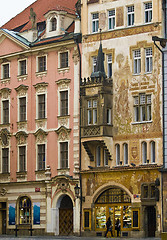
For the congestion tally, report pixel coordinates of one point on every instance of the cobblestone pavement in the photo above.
(70, 238)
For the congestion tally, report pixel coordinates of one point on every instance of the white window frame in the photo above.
(95, 22)
(109, 116)
(2, 112)
(19, 66)
(130, 15)
(18, 158)
(59, 59)
(37, 63)
(59, 101)
(125, 153)
(51, 24)
(8, 159)
(148, 11)
(144, 152)
(117, 153)
(152, 152)
(59, 154)
(148, 60)
(111, 19)
(2, 70)
(37, 105)
(137, 61)
(109, 65)
(37, 163)
(18, 103)
(92, 111)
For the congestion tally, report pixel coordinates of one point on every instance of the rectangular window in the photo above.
(148, 12)
(142, 108)
(94, 63)
(105, 158)
(148, 60)
(87, 219)
(42, 64)
(109, 65)
(135, 219)
(41, 157)
(5, 107)
(64, 103)
(64, 60)
(95, 22)
(137, 61)
(41, 106)
(111, 19)
(130, 16)
(92, 112)
(5, 71)
(64, 155)
(108, 116)
(5, 160)
(22, 158)
(22, 67)
(22, 105)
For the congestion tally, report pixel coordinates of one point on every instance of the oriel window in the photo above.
(92, 112)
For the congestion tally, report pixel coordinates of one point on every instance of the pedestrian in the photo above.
(117, 227)
(109, 227)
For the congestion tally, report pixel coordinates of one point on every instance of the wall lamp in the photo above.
(162, 41)
(77, 192)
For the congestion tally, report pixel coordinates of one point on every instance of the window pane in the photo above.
(117, 154)
(41, 64)
(64, 60)
(98, 156)
(64, 155)
(6, 71)
(5, 111)
(5, 160)
(41, 106)
(22, 158)
(64, 103)
(144, 152)
(22, 109)
(41, 157)
(23, 67)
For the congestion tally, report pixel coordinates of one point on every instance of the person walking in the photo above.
(117, 227)
(109, 227)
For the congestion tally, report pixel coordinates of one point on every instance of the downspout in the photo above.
(77, 39)
(163, 132)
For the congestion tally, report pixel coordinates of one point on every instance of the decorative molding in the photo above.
(5, 92)
(4, 136)
(21, 137)
(40, 136)
(63, 133)
(22, 90)
(3, 191)
(75, 56)
(63, 84)
(41, 87)
(63, 184)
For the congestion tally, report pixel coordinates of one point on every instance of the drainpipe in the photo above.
(154, 38)
(77, 39)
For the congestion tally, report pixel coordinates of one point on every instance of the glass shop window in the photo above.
(24, 210)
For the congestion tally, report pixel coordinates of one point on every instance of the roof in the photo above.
(16, 36)
(40, 7)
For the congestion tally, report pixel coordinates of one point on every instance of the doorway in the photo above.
(3, 218)
(151, 221)
(66, 216)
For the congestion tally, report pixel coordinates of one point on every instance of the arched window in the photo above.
(144, 152)
(125, 147)
(24, 210)
(152, 152)
(117, 149)
(53, 24)
(98, 156)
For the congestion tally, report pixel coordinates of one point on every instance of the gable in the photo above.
(7, 46)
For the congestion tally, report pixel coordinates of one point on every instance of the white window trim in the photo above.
(138, 59)
(109, 62)
(18, 104)
(130, 13)
(3, 99)
(19, 71)
(42, 93)
(94, 20)
(150, 57)
(59, 61)
(148, 10)
(59, 101)
(65, 141)
(18, 157)
(37, 65)
(8, 159)
(2, 77)
(111, 17)
(42, 143)
(109, 114)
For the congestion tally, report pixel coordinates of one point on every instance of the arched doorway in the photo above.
(116, 204)
(66, 216)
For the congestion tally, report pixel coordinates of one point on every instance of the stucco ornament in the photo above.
(4, 136)
(63, 133)
(3, 191)
(63, 184)
(5, 93)
(75, 56)
(41, 136)
(21, 137)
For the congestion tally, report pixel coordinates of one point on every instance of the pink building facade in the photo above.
(39, 129)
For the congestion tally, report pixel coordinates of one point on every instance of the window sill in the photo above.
(5, 80)
(5, 125)
(144, 122)
(41, 74)
(22, 77)
(63, 116)
(65, 69)
(63, 171)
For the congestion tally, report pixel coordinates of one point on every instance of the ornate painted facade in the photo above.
(121, 117)
(39, 120)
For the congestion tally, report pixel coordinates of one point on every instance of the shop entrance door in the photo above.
(66, 217)
(3, 222)
(2, 217)
(151, 221)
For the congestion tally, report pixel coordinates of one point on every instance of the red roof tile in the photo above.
(40, 7)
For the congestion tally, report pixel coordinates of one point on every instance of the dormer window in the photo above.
(53, 24)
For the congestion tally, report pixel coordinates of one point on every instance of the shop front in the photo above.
(116, 204)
